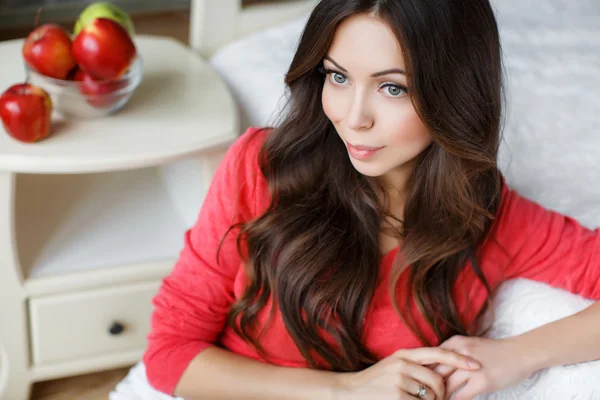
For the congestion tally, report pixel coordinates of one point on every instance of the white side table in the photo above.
(92, 218)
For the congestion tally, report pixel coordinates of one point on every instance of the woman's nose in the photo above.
(359, 117)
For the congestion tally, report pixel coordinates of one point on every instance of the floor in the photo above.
(86, 387)
(98, 386)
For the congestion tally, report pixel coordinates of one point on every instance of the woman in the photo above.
(360, 239)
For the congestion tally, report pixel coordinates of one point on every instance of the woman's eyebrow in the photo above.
(375, 75)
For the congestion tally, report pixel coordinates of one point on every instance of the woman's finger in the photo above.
(442, 369)
(412, 396)
(432, 355)
(412, 387)
(457, 380)
(469, 391)
(433, 382)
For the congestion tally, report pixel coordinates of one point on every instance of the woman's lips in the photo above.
(362, 152)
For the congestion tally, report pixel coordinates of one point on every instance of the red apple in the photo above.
(97, 92)
(104, 49)
(25, 110)
(47, 50)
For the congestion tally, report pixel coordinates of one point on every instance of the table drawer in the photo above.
(94, 322)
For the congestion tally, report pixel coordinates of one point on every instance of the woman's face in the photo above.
(365, 98)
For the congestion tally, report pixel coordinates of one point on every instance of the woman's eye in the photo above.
(338, 78)
(335, 76)
(395, 90)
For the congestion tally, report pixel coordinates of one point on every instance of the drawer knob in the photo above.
(116, 328)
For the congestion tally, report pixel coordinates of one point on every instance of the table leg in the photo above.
(15, 376)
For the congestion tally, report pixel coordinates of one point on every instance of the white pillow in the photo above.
(520, 306)
(254, 68)
(551, 152)
(548, 10)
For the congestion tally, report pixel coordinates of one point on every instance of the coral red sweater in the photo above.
(191, 306)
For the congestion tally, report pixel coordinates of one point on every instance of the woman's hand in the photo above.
(401, 375)
(503, 363)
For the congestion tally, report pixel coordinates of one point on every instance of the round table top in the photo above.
(181, 107)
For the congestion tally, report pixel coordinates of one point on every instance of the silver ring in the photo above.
(422, 392)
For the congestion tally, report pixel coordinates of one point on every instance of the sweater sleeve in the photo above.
(549, 247)
(191, 306)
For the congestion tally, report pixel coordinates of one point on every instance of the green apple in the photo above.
(103, 10)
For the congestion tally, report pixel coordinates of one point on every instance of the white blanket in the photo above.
(551, 153)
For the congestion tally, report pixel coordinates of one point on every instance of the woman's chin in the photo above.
(368, 169)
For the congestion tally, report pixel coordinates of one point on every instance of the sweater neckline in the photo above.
(390, 253)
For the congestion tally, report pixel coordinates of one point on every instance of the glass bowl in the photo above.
(73, 99)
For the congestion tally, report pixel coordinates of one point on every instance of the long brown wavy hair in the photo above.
(315, 251)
